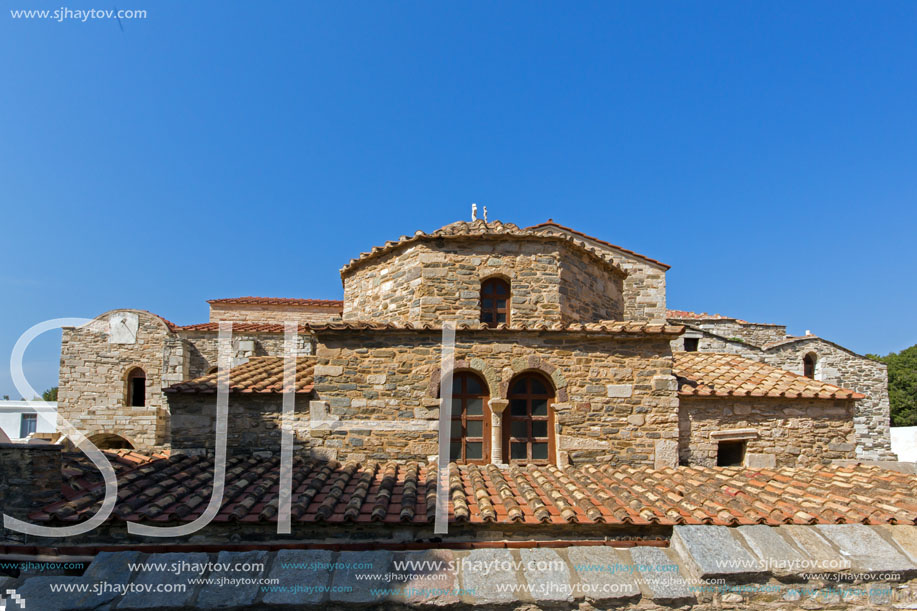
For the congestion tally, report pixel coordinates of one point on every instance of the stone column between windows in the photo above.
(496, 429)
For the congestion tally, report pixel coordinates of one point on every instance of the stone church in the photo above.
(565, 353)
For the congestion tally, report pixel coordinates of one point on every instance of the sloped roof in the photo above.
(261, 374)
(481, 230)
(599, 328)
(243, 327)
(707, 374)
(551, 223)
(178, 488)
(686, 315)
(281, 301)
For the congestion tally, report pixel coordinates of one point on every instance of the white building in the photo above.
(19, 419)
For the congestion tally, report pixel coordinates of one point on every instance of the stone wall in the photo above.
(201, 348)
(789, 432)
(756, 334)
(841, 367)
(273, 313)
(644, 287)
(430, 282)
(615, 398)
(30, 478)
(95, 361)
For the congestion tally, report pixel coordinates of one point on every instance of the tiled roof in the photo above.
(551, 223)
(284, 301)
(476, 229)
(261, 374)
(686, 315)
(178, 489)
(242, 327)
(79, 474)
(728, 375)
(606, 327)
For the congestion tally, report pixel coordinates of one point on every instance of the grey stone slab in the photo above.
(232, 590)
(821, 556)
(425, 578)
(148, 587)
(547, 575)
(775, 552)
(603, 574)
(357, 574)
(36, 593)
(483, 572)
(661, 576)
(904, 536)
(714, 551)
(304, 577)
(107, 571)
(865, 548)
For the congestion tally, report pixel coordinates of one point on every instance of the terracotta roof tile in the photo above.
(284, 301)
(600, 328)
(242, 327)
(709, 374)
(551, 223)
(261, 374)
(178, 488)
(686, 315)
(481, 230)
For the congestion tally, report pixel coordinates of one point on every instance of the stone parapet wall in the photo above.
(429, 282)
(755, 334)
(781, 432)
(201, 348)
(273, 313)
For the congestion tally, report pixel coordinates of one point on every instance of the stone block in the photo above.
(331, 371)
(620, 390)
(775, 552)
(307, 570)
(597, 571)
(154, 578)
(714, 551)
(221, 596)
(760, 461)
(111, 568)
(348, 588)
(904, 536)
(36, 593)
(820, 554)
(868, 551)
(546, 574)
(665, 454)
(483, 571)
(375, 378)
(661, 576)
(431, 582)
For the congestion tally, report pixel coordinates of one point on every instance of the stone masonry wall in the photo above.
(201, 348)
(615, 398)
(93, 384)
(272, 313)
(802, 432)
(644, 287)
(756, 334)
(430, 283)
(848, 370)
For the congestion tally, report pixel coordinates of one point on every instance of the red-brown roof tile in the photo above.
(284, 301)
(178, 488)
(706, 374)
(242, 327)
(261, 374)
(551, 223)
(601, 328)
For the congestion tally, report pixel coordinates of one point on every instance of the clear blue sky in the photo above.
(767, 151)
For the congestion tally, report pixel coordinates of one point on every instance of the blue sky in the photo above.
(767, 151)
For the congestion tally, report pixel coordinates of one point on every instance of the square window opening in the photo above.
(691, 344)
(730, 453)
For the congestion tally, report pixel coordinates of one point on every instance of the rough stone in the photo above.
(345, 586)
(36, 593)
(482, 574)
(598, 570)
(820, 555)
(424, 583)
(296, 569)
(666, 587)
(868, 551)
(547, 575)
(775, 552)
(713, 551)
(218, 596)
(143, 600)
(904, 536)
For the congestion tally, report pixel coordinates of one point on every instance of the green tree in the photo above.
(50, 394)
(902, 385)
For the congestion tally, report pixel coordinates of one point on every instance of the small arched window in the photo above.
(495, 299)
(808, 365)
(136, 388)
(211, 370)
(528, 424)
(470, 438)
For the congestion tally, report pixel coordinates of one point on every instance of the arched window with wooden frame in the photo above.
(808, 365)
(470, 437)
(495, 302)
(528, 421)
(135, 395)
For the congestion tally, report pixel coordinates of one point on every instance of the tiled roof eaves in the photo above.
(551, 223)
(683, 315)
(241, 327)
(609, 328)
(280, 301)
(495, 230)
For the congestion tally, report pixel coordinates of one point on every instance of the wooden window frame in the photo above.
(528, 396)
(461, 395)
(490, 294)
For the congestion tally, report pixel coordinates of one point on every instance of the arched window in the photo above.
(110, 441)
(808, 365)
(470, 438)
(136, 388)
(528, 422)
(211, 370)
(495, 299)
